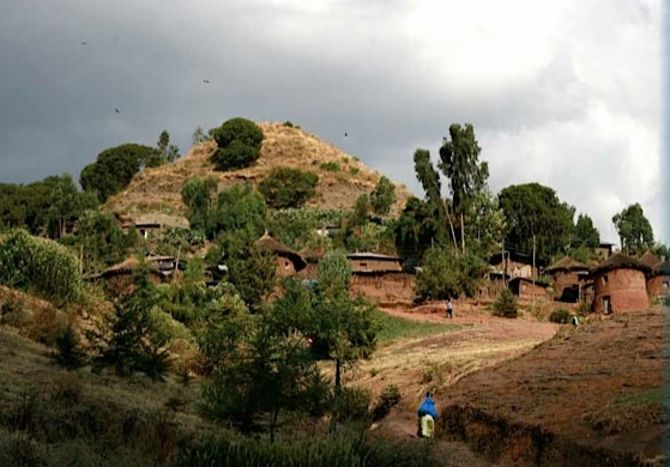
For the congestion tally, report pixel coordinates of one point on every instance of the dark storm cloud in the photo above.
(392, 74)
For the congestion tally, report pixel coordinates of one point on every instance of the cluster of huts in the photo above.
(617, 283)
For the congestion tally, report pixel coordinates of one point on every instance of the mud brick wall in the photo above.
(627, 289)
(387, 287)
(374, 265)
(285, 267)
(563, 280)
(658, 286)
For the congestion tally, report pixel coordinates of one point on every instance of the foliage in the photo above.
(115, 167)
(389, 398)
(432, 186)
(236, 155)
(634, 229)
(240, 210)
(371, 237)
(41, 266)
(392, 328)
(485, 229)
(254, 275)
(131, 342)
(383, 196)
(359, 216)
(351, 403)
(285, 187)
(447, 274)
(661, 250)
(199, 136)
(69, 352)
(416, 230)
(239, 141)
(288, 124)
(346, 449)
(560, 316)
(102, 242)
(47, 207)
(534, 211)
(168, 152)
(330, 166)
(505, 306)
(585, 233)
(459, 162)
(198, 196)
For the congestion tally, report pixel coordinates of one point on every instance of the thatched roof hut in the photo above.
(566, 264)
(620, 284)
(620, 261)
(267, 243)
(650, 259)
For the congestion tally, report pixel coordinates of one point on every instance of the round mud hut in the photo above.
(658, 284)
(568, 276)
(619, 284)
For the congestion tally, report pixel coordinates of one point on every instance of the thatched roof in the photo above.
(649, 259)
(312, 255)
(567, 264)
(375, 256)
(267, 243)
(620, 261)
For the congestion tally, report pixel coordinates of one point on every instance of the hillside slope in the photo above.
(155, 193)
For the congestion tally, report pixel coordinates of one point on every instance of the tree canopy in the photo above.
(383, 196)
(533, 210)
(634, 229)
(585, 233)
(286, 187)
(239, 141)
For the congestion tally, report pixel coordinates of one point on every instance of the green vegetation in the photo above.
(505, 306)
(585, 233)
(389, 398)
(286, 187)
(634, 230)
(101, 241)
(39, 266)
(168, 152)
(330, 166)
(383, 196)
(560, 316)
(115, 167)
(448, 274)
(239, 142)
(198, 196)
(393, 328)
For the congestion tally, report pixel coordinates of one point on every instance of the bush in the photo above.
(288, 124)
(561, 316)
(388, 399)
(351, 404)
(238, 129)
(330, 166)
(505, 306)
(285, 187)
(41, 266)
(69, 353)
(383, 196)
(447, 274)
(236, 155)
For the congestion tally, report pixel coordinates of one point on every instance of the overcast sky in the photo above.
(566, 93)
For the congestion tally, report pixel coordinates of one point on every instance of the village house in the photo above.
(513, 264)
(528, 290)
(289, 262)
(619, 285)
(650, 259)
(604, 250)
(658, 283)
(569, 276)
(380, 278)
(120, 275)
(312, 257)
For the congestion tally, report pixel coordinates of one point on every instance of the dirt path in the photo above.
(437, 361)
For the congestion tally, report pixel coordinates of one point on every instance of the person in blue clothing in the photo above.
(427, 413)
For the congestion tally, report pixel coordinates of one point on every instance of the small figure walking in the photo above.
(427, 413)
(450, 308)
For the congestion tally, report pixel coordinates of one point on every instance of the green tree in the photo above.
(432, 186)
(467, 176)
(585, 234)
(416, 230)
(285, 187)
(254, 275)
(198, 196)
(102, 242)
(446, 273)
(115, 167)
(533, 211)
(485, 229)
(131, 343)
(66, 205)
(199, 136)
(506, 306)
(634, 229)
(383, 196)
(240, 210)
(168, 152)
(239, 141)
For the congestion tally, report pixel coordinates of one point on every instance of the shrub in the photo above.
(236, 155)
(351, 404)
(330, 166)
(42, 266)
(69, 353)
(505, 306)
(560, 316)
(354, 170)
(388, 399)
(446, 274)
(288, 124)
(238, 129)
(285, 187)
(383, 196)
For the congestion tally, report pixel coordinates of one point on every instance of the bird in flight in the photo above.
(206, 81)
(346, 135)
(117, 110)
(84, 43)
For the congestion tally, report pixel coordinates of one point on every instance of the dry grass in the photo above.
(156, 192)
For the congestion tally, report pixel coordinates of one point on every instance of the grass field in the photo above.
(395, 328)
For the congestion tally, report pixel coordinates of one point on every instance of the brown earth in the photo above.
(154, 194)
(592, 395)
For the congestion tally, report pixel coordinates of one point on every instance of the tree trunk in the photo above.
(451, 227)
(273, 424)
(338, 375)
(463, 232)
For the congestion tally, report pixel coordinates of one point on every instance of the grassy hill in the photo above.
(155, 192)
